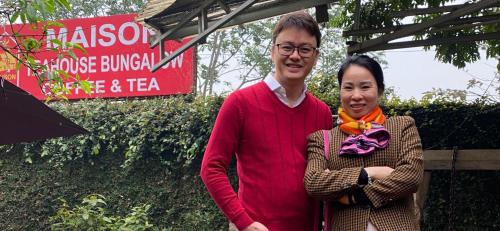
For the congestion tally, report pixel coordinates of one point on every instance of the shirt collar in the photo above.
(274, 85)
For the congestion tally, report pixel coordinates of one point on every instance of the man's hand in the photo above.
(256, 226)
(378, 172)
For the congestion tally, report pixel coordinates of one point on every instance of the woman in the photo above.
(374, 163)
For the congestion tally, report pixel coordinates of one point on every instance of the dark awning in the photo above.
(23, 118)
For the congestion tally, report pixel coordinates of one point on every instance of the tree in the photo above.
(22, 45)
(483, 90)
(377, 14)
(242, 52)
(95, 8)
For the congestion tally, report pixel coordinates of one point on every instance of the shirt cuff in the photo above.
(363, 177)
(361, 198)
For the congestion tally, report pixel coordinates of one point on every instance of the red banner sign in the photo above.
(118, 59)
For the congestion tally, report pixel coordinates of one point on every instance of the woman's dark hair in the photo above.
(300, 20)
(370, 64)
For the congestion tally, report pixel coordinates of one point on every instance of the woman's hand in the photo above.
(378, 172)
(344, 200)
(256, 226)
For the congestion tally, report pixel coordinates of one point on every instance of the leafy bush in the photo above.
(92, 215)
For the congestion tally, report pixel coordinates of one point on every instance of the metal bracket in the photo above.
(203, 35)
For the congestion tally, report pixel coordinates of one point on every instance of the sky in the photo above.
(413, 71)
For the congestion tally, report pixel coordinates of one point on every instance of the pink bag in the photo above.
(324, 204)
(326, 210)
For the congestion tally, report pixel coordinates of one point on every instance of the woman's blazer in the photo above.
(392, 199)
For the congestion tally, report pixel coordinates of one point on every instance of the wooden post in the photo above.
(421, 194)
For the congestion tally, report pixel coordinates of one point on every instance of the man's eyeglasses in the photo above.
(305, 51)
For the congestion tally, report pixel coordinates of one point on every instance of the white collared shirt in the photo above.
(280, 92)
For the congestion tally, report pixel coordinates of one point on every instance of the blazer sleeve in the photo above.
(408, 172)
(326, 185)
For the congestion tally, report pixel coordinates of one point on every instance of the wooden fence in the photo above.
(473, 159)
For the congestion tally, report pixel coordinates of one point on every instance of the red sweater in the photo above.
(269, 139)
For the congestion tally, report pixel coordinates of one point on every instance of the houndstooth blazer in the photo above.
(391, 197)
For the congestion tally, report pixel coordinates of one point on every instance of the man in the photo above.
(266, 126)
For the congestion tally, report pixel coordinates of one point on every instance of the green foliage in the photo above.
(91, 214)
(24, 47)
(475, 201)
(31, 192)
(96, 8)
(445, 125)
(174, 129)
(442, 96)
(325, 88)
(34, 11)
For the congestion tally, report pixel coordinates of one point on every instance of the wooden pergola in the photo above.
(453, 17)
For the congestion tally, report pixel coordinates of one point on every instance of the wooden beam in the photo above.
(458, 27)
(202, 25)
(473, 159)
(159, 38)
(430, 10)
(224, 6)
(436, 41)
(462, 21)
(357, 15)
(367, 45)
(322, 13)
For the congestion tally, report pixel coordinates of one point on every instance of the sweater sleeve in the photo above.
(221, 147)
(408, 172)
(328, 117)
(322, 184)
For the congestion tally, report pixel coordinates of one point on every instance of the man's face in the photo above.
(294, 67)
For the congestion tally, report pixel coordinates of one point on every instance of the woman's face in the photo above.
(358, 91)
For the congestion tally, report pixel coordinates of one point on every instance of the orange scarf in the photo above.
(355, 127)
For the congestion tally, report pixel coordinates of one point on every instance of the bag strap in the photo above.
(326, 148)
(326, 143)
